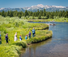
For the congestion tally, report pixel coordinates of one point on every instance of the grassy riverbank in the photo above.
(62, 19)
(44, 35)
(11, 25)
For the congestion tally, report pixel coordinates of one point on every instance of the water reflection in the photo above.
(57, 46)
(31, 50)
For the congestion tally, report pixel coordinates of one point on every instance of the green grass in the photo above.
(38, 38)
(11, 25)
(10, 51)
(62, 19)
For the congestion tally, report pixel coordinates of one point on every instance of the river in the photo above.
(57, 46)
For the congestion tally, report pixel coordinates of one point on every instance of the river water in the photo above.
(57, 46)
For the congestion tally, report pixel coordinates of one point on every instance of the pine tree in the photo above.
(33, 16)
(15, 13)
(3, 13)
(26, 13)
(44, 12)
(39, 16)
(37, 12)
(66, 14)
(19, 14)
(41, 12)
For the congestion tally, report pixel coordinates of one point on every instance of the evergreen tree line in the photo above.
(38, 14)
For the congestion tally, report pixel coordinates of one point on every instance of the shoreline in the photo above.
(15, 48)
(47, 20)
(36, 41)
(22, 27)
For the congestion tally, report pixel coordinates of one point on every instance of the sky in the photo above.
(28, 3)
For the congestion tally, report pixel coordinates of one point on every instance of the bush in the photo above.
(9, 51)
(22, 27)
(39, 17)
(20, 43)
(45, 35)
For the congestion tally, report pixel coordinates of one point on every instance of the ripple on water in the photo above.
(56, 47)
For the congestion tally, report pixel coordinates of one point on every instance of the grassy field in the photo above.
(11, 25)
(49, 20)
(43, 19)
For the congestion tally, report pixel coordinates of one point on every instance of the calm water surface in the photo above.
(57, 46)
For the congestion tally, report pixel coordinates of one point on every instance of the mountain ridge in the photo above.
(36, 7)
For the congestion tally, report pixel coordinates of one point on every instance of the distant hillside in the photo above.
(12, 9)
(36, 7)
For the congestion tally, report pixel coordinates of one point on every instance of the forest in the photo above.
(38, 14)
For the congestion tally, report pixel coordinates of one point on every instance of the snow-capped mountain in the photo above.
(45, 7)
(12, 9)
(36, 7)
(40, 7)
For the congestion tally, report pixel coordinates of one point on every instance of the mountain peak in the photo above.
(36, 7)
(46, 6)
(1, 8)
(40, 5)
(58, 6)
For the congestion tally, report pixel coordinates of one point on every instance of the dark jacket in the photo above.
(29, 33)
(6, 37)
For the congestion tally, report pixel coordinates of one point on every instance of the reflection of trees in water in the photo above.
(31, 52)
(32, 48)
(22, 52)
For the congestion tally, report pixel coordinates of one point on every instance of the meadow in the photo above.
(43, 19)
(11, 25)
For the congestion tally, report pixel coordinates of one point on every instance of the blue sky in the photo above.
(28, 3)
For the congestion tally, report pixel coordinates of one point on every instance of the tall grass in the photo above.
(11, 25)
(62, 19)
(38, 38)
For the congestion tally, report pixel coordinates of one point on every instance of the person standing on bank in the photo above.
(6, 38)
(0, 38)
(20, 38)
(29, 34)
(33, 31)
(26, 37)
(15, 37)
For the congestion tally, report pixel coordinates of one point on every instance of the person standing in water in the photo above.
(15, 37)
(33, 31)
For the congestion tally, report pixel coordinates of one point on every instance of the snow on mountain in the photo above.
(36, 7)
(40, 5)
(58, 6)
(1, 8)
(44, 6)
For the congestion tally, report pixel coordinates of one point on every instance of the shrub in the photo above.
(20, 43)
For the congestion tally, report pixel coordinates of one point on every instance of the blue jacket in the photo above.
(25, 37)
(33, 31)
(0, 35)
(20, 38)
